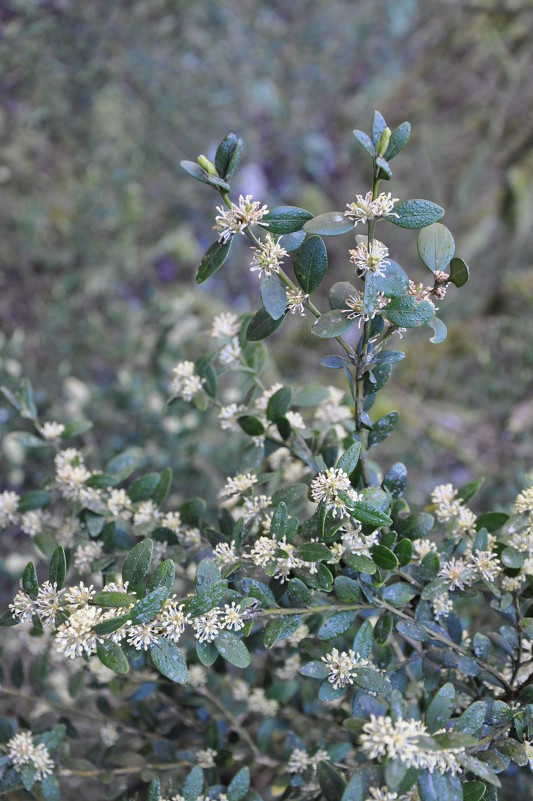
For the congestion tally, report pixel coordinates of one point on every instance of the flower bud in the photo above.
(384, 140)
(208, 166)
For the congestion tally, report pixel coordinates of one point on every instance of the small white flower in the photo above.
(224, 553)
(457, 573)
(206, 627)
(32, 522)
(298, 761)
(254, 507)
(9, 504)
(229, 416)
(75, 636)
(354, 541)
(51, 431)
(268, 257)
(23, 607)
(261, 402)
(370, 259)
(49, 602)
(172, 520)
(197, 676)
(487, 564)
(235, 219)
(524, 501)
(147, 513)
(172, 620)
(119, 503)
(78, 597)
(186, 383)
(295, 301)
(85, 555)
(225, 326)
(290, 668)
(109, 734)
(332, 410)
(442, 605)
(295, 419)
(239, 484)
(142, 636)
(233, 617)
(326, 486)
(260, 704)
(342, 665)
(231, 353)
(206, 758)
(366, 208)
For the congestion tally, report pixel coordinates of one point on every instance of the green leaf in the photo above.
(58, 567)
(415, 213)
(364, 640)
(398, 140)
(34, 499)
(349, 459)
(367, 514)
(232, 649)
(311, 264)
(137, 562)
(473, 791)
(354, 789)
(459, 272)
(207, 574)
(526, 624)
(251, 425)
(332, 223)
(441, 708)
(30, 582)
(154, 790)
(163, 576)
(273, 295)
(395, 282)
(384, 557)
(109, 626)
(279, 404)
(396, 480)
(383, 428)
(336, 625)
(291, 242)
(347, 590)
(372, 680)
(439, 787)
(436, 246)
(75, 428)
(313, 552)
(239, 785)
(262, 326)
(441, 332)
(143, 487)
(378, 126)
(398, 594)
(315, 670)
(123, 466)
(147, 608)
(168, 660)
(407, 312)
(366, 142)
(298, 593)
(478, 768)
(338, 293)
(112, 656)
(194, 169)
(162, 489)
(404, 552)
(201, 604)
(207, 653)
(50, 788)
(228, 155)
(331, 782)
(412, 629)
(194, 784)
(332, 324)
(256, 589)
(110, 599)
(286, 219)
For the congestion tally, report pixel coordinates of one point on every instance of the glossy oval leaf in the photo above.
(262, 325)
(112, 656)
(459, 272)
(406, 312)
(338, 294)
(332, 324)
(232, 649)
(415, 213)
(213, 260)
(441, 332)
(436, 246)
(169, 661)
(137, 562)
(311, 264)
(398, 140)
(332, 223)
(286, 219)
(273, 295)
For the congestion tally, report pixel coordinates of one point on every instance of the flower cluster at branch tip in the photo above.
(22, 751)
(327, 486)
(366, 208)
(370, 258)
(299, 761)
(225, 326)
(186, 383)
(343, 666)
(237, 218)
(381, 738)
(268, 257)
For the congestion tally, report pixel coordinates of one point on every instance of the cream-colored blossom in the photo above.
(225, 326)
(367, 208)
(186, 383)
(51, 431)
(327, 486)
(296, 299)
(370, 258)
(268, 256)
(237, 218)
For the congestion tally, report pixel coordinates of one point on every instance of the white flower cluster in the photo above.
(300, 760)
(370, 258)
(295, 301)
(268, 257)
(51, 431)
(326, 487)
(342, 666)
(355, 304)
(235, 219)
(22, 751)
(225, 326)
(265, 554)
(72, 475)
(367, 208)
(333, 411)
(354, 541)
(9, 508)
(381, 738)
(186, 383)
(450, 507)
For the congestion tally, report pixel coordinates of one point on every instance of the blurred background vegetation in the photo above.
(102, 231)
